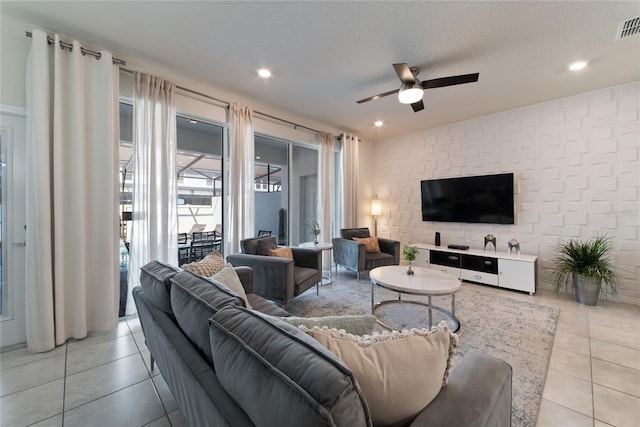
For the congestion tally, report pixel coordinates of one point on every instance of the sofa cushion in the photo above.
(250, 245)
(399, 372)
(350, 233)
(228, 277)
(371, 245)
(194, 300)
(265, 306)
(282, 252)
(154, 279)
(266, 244)
(378, 260)
(207, 266)
(304, 278)
(294, 381)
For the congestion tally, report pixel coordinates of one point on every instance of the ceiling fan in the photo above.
(412, 89)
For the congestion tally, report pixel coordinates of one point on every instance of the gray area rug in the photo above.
(518, 332)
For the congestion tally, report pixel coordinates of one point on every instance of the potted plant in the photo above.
(409, 253)
(314, 227)
(589, 266)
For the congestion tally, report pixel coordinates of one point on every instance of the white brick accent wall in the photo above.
(576, 170)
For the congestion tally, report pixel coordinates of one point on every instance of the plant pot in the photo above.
(410, 270)
(587, 289)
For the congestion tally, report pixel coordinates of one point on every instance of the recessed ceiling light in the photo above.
(378, 123)
(192, 121)
(264, 73)
(257, 157)
(578, 65)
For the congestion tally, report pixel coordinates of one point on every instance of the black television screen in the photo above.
(473, 199)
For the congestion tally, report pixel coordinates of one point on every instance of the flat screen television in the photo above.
(484, 199)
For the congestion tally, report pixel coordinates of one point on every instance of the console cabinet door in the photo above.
(422, 259)
(518, 275)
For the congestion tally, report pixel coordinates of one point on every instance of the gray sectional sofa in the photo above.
(227, 365)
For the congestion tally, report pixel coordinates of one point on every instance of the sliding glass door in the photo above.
(271, 188)
(286, 189)
(199, 169)
(304, 192)
(200, 177)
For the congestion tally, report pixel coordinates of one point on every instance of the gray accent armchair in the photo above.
(275, 278)
(352, 255)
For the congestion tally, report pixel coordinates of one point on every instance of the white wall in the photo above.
(577, 171)
(14, 48)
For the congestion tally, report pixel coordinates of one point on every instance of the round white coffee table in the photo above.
(424, 282)
(326, 280)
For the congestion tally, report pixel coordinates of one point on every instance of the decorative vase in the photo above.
(587, 289)
(409, 270)
(315, 240)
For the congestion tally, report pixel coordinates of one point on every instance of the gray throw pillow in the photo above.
(266, 244)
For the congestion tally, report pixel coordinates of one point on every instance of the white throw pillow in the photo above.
(399, 373)
(228, 277)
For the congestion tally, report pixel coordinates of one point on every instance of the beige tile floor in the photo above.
(594, 371)
(105, 380)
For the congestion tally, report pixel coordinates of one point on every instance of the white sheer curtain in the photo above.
(350, 171)
(154, 231)
(72, 259)
(326, 189)
(241, 180)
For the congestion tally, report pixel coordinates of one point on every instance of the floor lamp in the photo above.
(376, 211)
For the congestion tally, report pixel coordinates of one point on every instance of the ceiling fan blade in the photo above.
(372, 98)
(404, 73)
(417, 106)
(450, 81)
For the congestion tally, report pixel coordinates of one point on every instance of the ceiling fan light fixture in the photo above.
(410, 93)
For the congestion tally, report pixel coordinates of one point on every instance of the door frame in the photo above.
(13, 129)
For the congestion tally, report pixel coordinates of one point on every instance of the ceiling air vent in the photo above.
(628, 28)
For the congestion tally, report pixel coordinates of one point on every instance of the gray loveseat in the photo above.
(227, 365)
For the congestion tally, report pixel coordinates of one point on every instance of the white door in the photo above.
(13, 180)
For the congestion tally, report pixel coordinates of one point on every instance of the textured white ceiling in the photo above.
(327, 55)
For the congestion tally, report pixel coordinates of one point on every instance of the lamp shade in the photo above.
(376, 207)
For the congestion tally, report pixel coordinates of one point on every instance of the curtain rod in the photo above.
(227, 104)
(295, 125)
(117, 61)
(184, 89)
(84, 50)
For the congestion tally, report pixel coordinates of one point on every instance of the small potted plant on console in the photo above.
(409, 253)
(589, 266)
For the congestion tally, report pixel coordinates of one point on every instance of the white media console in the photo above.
(511, 271)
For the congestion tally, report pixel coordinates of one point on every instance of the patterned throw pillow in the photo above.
(399, 373)
(282, 252)
(207, 266)
(371, 245)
